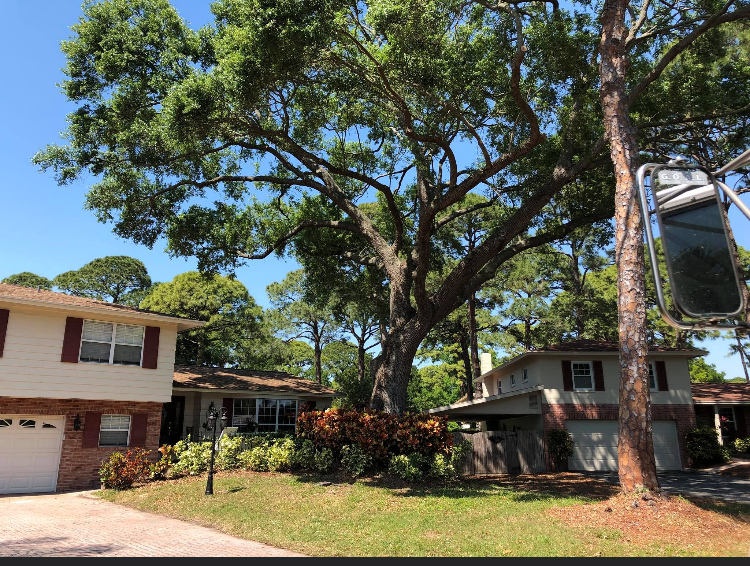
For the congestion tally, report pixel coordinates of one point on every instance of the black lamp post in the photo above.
(211, 417)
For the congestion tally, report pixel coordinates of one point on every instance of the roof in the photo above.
(593, 346)
(729, 393)
(29, 295)
(255, 381)
(490, 403)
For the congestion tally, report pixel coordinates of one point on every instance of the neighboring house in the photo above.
(79, 379)
(270, 399)
(725, 406)
(575, 386)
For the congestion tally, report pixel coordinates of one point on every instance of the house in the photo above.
(266, 401)
(79, 379)
(725, 406)
(575, 385)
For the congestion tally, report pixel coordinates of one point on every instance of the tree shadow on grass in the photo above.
(737, 511)
(518, 487)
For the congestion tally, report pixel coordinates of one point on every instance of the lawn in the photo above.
(566, 515)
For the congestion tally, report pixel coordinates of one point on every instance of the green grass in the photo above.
(366, 518)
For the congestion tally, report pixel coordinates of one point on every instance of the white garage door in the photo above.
(596, 445)
(29, 452)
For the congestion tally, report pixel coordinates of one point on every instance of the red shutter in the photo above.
(567, 371)
(3, 328)
(91, 427)
(72, 342)
(598, 376)
(661, 376)
(228, 403)
(150, 347)
(138, 426)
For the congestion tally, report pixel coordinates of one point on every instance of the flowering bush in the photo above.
(121, 471)
(377, 433)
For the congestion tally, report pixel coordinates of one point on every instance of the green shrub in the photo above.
(741, 445)
(121, 471)
(303, 456)
(410, 467)
(560, 448)
(448, 466)
(703, 447)
(160, 469)
(459, 452)
(192, 458)
(280, 455)
(255, 459)
(323, 460)
(354, 460)
(227, 458)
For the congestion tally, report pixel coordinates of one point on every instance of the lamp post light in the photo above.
(212, 415)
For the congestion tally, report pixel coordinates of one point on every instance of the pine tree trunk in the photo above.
(468, 375)
(318, 362)
(637, 467)
(361, 360)
(473, 345)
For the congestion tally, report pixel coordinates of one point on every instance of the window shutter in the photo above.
(72, 343)
(150, 347)
(567, 371)
(91, 427)
(598, 376)
(661, 376)
(138, 426)
(3, 328)
(228, 403)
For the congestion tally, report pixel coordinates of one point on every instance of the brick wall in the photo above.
(79, 466)
(555, 415)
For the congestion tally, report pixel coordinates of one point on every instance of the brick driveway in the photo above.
(79, 524)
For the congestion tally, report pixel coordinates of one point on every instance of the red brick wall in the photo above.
(79, 466)
(555, 415)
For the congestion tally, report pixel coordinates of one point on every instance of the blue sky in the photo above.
(43, 227)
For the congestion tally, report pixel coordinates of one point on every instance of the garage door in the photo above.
(29, 452)
(596, 445)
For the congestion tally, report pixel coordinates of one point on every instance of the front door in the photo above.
(172, 415)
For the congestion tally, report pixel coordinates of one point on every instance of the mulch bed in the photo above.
(737, 471)
(661, 519)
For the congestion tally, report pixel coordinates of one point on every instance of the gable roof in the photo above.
(31, 296)
(730, 393)
(591, 346)
(254, 381)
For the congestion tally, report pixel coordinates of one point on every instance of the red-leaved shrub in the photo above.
(380, 434)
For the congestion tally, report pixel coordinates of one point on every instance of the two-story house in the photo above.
(575, 386)
(79, 379)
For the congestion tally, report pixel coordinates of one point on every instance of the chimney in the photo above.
(485, 362)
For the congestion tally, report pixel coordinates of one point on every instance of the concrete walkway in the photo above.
(80, 524)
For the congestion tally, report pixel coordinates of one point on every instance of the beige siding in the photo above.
(31, 366)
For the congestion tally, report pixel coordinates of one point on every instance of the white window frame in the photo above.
(525, 373)
(512, 380)
(734, 417)
(652, 374)
(591, 374)
(257, 410)
(130, 428)
(112, 344)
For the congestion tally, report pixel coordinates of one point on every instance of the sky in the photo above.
(44, 228)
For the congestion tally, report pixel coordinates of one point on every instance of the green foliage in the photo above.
(281, 455)
(355, 460)
(111, 278)
(559, 447)
(233, 326)
(121, 471)
(741, 445)
(435, 385)
(227, 458)
(28, 279)
(192, 458)
(703, 372)
(703, 447)
(255, 459)
(340, 370)
(409, 467)
(304, 454)
(159, 470)
(323, 460)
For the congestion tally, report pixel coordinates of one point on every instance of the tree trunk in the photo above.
(392, 372)
(318, 358)
(741, 351)
(578, 292)
(468, 375)
(360, 360)
(473, 345)
(637, 467)
(527, 334)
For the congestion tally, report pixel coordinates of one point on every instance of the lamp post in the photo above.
(211, 417)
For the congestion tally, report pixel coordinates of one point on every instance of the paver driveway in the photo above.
(79, 524)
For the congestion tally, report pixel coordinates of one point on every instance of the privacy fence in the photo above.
(497, 452)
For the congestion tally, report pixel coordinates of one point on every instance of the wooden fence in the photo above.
(497, 452)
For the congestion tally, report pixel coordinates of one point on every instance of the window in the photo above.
(242, 410)
(726, 420)
(512, 380)
(652, 378)
(109, 343)
(499, 386)
(287, 415)
(533, 401)
(582, 376)
(525, 375)
(266, 415)
(114, 430)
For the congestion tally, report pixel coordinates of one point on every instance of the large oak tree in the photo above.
(358, 124)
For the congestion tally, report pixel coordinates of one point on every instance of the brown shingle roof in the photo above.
(188, 377)
(721, 392)
(602, 346)
(31, 294)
